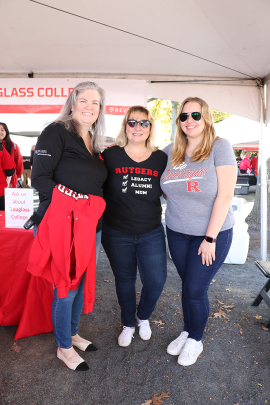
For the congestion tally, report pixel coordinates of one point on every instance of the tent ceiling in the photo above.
(234, 35)
(219, 40)
(44, 40)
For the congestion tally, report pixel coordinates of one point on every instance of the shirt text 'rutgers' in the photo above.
(136, 170)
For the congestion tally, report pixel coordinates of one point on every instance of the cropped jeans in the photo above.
(127, 251)
(66, 311)
(196, 277)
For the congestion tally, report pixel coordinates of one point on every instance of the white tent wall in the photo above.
(238, 99)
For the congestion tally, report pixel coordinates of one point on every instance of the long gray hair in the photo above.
(67, 118)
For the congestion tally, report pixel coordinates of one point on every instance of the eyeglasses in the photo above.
(134, 123)
(194, 115)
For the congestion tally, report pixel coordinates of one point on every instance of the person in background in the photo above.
(32, 155)
(238, 159)
(199, 183)
(254, 165)
(68, 156)
(132, 233)
(26, 176)
(6, 171)
(244, 166)
(14, 151)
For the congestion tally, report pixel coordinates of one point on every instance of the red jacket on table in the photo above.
(7, 168)
(15, 153)
(64, 247)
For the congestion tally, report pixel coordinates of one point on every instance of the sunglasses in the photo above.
(134, 123)
(194, 115)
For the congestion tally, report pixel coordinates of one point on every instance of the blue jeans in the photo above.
(66, 311)
(125, 252)
(195, 276)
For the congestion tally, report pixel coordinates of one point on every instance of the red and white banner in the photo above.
(47, 96)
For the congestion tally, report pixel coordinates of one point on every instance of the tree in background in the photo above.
(165, 113)
(219, 116)
(162, 113)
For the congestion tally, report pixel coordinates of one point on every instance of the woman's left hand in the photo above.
(207, 250)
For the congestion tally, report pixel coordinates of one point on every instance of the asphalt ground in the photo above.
(233, 369)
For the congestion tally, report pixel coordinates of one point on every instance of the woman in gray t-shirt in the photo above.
(199, 182)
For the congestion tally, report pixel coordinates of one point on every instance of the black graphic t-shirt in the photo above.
(132, 191)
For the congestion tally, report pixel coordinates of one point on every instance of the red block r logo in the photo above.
(193, 186)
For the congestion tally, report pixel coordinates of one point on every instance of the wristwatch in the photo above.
(209, 239)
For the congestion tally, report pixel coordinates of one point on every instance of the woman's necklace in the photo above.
(136, 157)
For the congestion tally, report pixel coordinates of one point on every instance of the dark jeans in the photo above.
(125, 252)
(66, 311)
(195, 276)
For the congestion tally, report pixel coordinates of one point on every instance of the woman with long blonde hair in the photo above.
(199, 183)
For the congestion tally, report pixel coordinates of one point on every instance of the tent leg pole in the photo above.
(263, 189)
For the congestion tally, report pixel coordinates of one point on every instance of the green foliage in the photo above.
(162, 113)
(237, 152)
(219, 115)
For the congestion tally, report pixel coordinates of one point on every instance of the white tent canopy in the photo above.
(238, 129)
(216, 50)
(179, 40)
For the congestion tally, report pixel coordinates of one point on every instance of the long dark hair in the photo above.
(7, 138)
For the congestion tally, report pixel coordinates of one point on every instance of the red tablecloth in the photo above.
(25, 300)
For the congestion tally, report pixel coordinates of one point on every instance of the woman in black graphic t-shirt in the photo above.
(132, 233)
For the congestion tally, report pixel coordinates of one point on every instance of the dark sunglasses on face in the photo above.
(134, 123)
(194, 115)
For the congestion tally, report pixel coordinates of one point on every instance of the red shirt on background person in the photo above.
(14, 152)
(245, 165)
(254, 164)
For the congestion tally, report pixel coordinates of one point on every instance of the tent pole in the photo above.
(263, 181)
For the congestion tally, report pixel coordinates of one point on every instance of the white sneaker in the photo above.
(190, 352)
(126, 336)
(144, 329)
(176, 345)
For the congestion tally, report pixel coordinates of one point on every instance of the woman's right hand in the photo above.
(207, 250)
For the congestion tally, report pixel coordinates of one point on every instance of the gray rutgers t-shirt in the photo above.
(191, 190)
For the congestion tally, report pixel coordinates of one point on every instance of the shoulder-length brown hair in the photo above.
(203, 150)
(7, 137)
(122, 140)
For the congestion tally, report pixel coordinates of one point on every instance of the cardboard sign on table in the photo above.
(19, 206)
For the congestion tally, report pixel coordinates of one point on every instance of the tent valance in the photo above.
(247, 146)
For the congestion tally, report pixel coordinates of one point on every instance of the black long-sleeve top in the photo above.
(61, 157)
